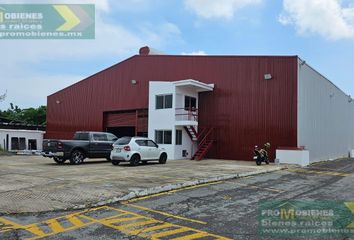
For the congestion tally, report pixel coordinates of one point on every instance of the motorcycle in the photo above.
(260, 155)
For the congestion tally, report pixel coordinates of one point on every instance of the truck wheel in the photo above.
(59, 160)
(163, 158)
(77, 157)
(135, 160)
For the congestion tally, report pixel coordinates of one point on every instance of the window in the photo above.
(111, 137)
(81, 136)
(190, 103)
(178, 137)
(164, 101)
(163, 136)
(14, 144)
(32, 144)
(159, 137)
(22, 144)
(151, 144)
(123, 141)
(141, 143)
(167, 137)
(100, 137)
(18, 143)
(168, 101)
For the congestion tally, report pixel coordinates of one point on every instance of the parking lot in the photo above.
(219, 210)
(34, 183)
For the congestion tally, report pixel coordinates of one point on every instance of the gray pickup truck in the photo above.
(84, 145)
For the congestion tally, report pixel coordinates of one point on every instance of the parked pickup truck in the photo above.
(84, 145)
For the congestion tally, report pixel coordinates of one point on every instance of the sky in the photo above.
(319, 31)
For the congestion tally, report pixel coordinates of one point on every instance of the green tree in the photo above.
(35, 116)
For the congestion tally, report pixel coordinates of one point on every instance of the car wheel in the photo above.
(77, 157)
(135, 160)
(163, 158)
(115, 162)
(59, 160)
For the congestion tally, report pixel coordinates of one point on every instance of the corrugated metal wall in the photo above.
(325, 116)
(245, 108)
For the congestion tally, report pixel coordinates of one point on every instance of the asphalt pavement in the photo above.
(219, 210)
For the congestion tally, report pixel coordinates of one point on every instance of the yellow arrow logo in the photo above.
(350, 205)
(71, 19)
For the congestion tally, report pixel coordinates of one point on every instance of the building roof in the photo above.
(6, 123)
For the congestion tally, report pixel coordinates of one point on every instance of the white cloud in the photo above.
(200, 53)
(218, 8)
(19, 59)
(328, 18)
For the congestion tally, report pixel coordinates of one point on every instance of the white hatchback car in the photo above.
(136, 150)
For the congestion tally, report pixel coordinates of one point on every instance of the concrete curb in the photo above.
(169, 187)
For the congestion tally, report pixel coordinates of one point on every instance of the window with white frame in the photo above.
(163, 101)
(163, 136)
(190, 103)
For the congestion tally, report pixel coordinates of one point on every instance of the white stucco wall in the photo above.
(325, 116)
(162, 119)
(27, 134)
(165, 119)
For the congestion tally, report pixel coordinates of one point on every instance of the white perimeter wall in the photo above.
(27, 134)
(325, 116)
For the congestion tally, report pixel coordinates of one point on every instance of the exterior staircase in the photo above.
(205, 139)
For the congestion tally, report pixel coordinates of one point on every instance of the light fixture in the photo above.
(134, 82)
(268, 76)
(57, 102)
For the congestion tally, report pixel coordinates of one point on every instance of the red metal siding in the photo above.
(245, 108)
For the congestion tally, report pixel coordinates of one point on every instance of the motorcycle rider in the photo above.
(265, 149)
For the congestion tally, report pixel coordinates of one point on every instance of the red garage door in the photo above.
(121, 119)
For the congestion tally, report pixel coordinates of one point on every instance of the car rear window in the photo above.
(81, 136)
(100, 137)
(123, 141)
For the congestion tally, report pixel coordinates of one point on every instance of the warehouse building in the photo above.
(212, 106)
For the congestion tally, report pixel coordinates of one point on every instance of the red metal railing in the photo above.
(186, 114)
(205, 137)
